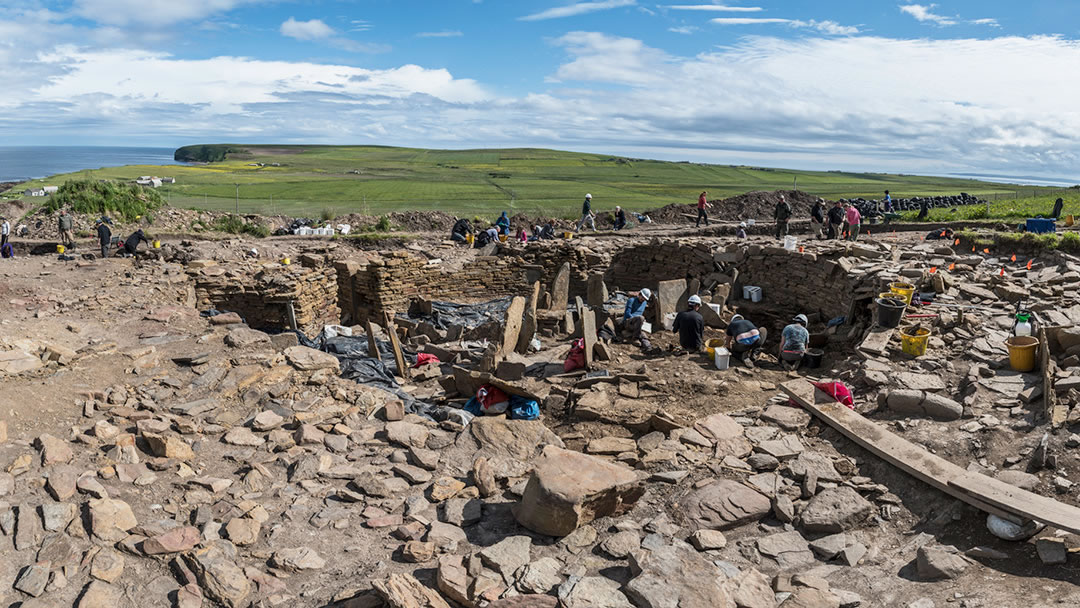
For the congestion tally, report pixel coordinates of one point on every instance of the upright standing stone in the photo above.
(528, 323)
(668, 295)
(597, 290)
(588, 330)
(560, 288)
(512, 325)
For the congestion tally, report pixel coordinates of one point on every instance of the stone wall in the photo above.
(795, 282)
(261, 295)
(645, 265)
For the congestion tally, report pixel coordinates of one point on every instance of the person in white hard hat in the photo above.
(634, 317)
(690, 326)
(793, 342)
(587, 216)
(741, 231)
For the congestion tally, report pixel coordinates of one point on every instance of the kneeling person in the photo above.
(744, 339)
(690, 326)
(793, 342)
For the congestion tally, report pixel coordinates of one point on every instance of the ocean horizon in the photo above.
(21, 163)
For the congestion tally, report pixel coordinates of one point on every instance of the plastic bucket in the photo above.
(913, 341)
(812, 358)
(60, 249)
(568, 235)
(502, 238)
(1069, 220)
(890, 311)
(1022, 350)
(752, 293)
(711, 346)
(789, 242)
(903, 289)
(722, 358)
(157, 244)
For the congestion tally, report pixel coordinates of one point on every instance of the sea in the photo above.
(20, 163)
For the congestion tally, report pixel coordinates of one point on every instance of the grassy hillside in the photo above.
(307, 180)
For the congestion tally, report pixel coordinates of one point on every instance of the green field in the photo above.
(375, 180)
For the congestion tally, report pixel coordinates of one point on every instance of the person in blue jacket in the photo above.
(503, 224)
(634, 317)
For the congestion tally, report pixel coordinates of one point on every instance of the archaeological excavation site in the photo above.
(425, 425)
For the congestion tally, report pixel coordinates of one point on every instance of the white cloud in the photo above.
(160, 14)
(924, 14)
(715, 7)
(685, 29)
(987, 22)
(314, 29)
(826, 27)
(442, 34)
(580, 8)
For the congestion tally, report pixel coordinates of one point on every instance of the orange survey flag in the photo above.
(933, 269)
(1029, 264)
(987, 250)
(1002, 271)
(1014, 257)
(957, 242)
(952, 266)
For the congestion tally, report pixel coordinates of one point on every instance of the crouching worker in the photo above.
(462, 228)
(744, 340)
(634, 317)
(690, 326)
(131, 245)
(793, 341)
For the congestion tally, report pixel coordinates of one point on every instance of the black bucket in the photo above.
(812, 358)
(890, 311)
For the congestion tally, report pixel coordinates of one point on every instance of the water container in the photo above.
(789, 242)
(722, 358)
(890, 311)
(1023, 325)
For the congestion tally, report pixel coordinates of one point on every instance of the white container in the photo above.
(789, 242)
(646, 328)
(716, 308)
(722, 358)
(746, 291)
(751, 222)
(669, 321)
(755, 294)
(1022, 328)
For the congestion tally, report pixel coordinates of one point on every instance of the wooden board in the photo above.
(1021, 502)
(919, 463)
(395, 344)
(372, 345)
(877, 341)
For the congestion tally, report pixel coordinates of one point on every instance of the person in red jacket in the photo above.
(702, 205)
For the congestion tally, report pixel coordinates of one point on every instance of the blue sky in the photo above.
(956, 86)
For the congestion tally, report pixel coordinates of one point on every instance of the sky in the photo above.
(964, 86)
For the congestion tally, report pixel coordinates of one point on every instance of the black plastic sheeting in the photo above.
(356, 365)
(469, 316)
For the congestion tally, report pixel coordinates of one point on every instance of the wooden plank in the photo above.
(1021, 502)
(290, 312)
(908, 457)
(877, 341)
(395, 344)
(372, 346)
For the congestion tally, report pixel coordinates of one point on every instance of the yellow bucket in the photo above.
(914, 344)
(60, 249)
(502, 238)
(1022, 350)
(903, 289)
(568, 235)
(157, 244)
(286, 261)
(469, 238)
(1069, 221)
(711, 346)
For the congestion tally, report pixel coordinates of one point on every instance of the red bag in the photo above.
(576, 358)
(836, 390)
(492, 400)
(425, 358)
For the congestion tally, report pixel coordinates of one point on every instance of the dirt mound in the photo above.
(13, 210)
(758, 205)
(423, 221)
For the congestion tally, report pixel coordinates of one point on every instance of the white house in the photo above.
(149, 182)
(51, 189)
(168, 180)
(34, 192)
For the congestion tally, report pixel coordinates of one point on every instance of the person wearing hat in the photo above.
(587, 216)
(741, 232)
(104, 237)
(793, 341)
(744, 339)
(690, 325)
(620, 218)
(634, 317)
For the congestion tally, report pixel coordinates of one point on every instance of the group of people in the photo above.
(65, 228)
(840, 221)
(588, 217)
(744, 339)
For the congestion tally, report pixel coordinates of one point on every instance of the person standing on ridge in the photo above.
(702, 205)
(836, 220)
(586, 215)
(817, 218)
(67, 229)
(854, 219)
(782, 215)
(888, 202)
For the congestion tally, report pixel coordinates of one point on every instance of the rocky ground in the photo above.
(153, 457)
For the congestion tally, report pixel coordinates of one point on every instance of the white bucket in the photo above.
(751, 222)
(789, 242)
(746, 291)
(755, 294)
(721, 357)
(669, 321)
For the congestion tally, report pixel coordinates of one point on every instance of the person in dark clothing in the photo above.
(547, 231)
(941, 234)
(1059, 204)
(690, 326)
(462, 228)
(836, 220)
(131, 245)
(924, 209)
(744, 339)
(620, 218)
(104, 237)
(888, 202)
(782, 215)
(817, 218)
(587, 217)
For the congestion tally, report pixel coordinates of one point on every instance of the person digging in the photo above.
(793, 342)
(634, 317)
(745, 340)
(690, 326)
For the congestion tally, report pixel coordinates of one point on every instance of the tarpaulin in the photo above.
(469, 316)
